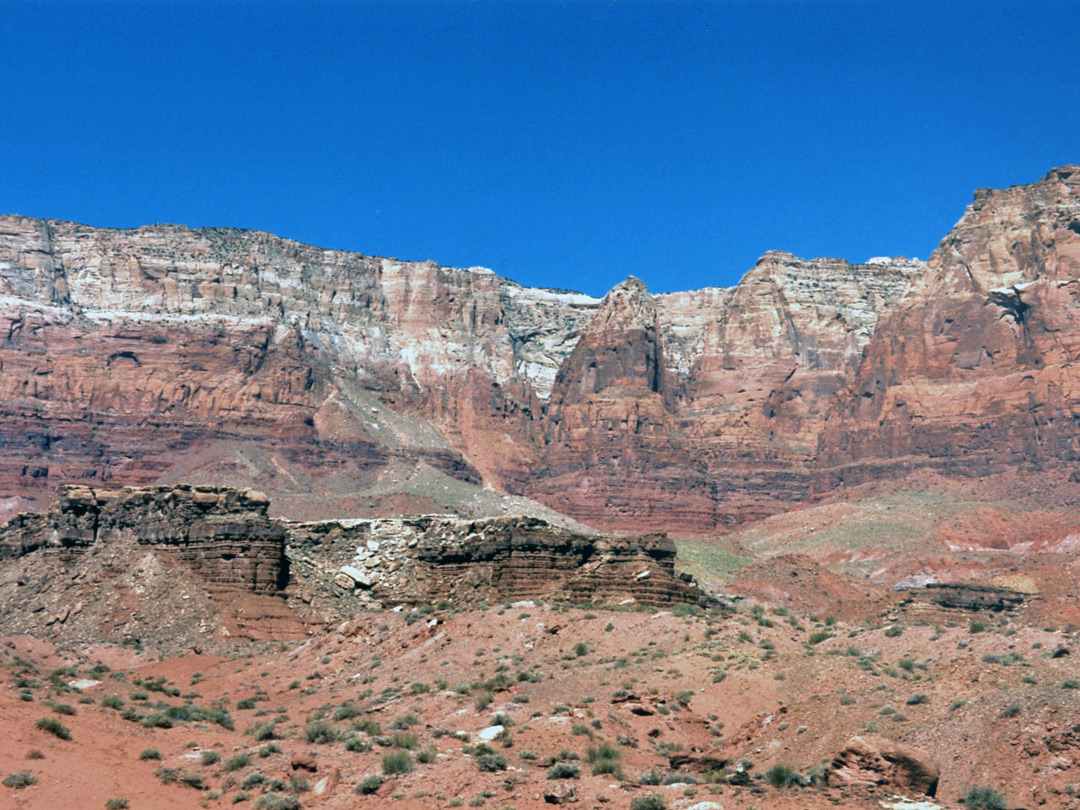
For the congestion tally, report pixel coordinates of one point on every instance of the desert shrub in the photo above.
(268, 749)
(394, 762)
(782, 776)
(917, 699)
(581, 649)
(237, 762)
(409, 742)
(357, 745)
(167, 775)
(210, 757)
(369, 727)
(491, 763)
(894, 630)
(564, 770)
(20, 779)
(275, 801)
(483, 700)
(369, 785)
(116, 804)
(54, 727)
(347, 711)
(157, 720)
(977, 627)
(652, 801)
(112, 702)
(1071, 683)
(983, 797)
(253, 780)
(149, 753)
(427, 755)
(264, 731)
(1012, 710)
(34, 753)
(819, 636)
(321, 733)
(193, 780)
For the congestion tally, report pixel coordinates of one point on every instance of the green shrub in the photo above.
(264, 731)
(409, 742)
(491, 763)
(983, 797)
(112, 702)
(652, 801)
(894, 630)
(782, 776)
(275, 801)
(210, 757)
(20, 779)
(321, 733)
(116, 804)
(55, 727)
(483, 700)
(357, 745)
(370, 785)
(193, 780)
(1071, 683)
(394, 762)
(916, 699)
(237, 762)
(650, 778)
(977, 627)
(149, 753)
(347, 711)
(581, 649)
(564, 770)
(253, 780)
(819, 636)
(268, 749)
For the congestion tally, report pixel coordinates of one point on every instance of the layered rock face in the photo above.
(701, 410)
(975, 372)
(427, 559)
(223, 535)
(343, 384)
(235, 357)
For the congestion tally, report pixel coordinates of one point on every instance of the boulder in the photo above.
(869, 760)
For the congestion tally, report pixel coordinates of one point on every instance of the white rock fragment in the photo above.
(490, 733)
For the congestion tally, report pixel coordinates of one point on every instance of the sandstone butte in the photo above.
(344, 385)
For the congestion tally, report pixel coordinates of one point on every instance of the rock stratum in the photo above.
(179, 564)
(345, 385)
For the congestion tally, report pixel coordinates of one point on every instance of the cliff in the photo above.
(975, 372)
(344, 385)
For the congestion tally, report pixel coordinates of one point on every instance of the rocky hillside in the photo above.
(348, 385)
(177, 566)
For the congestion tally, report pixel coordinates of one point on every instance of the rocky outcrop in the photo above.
(975, 372)
(223, 535)
(870, 760)
(971, 596)
(166, 566)
(199, 562)
(428, 559)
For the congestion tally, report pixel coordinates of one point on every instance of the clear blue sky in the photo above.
(563, 144)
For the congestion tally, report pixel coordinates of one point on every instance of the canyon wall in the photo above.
(343, 384)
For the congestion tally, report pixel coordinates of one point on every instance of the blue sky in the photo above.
(562, 144)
